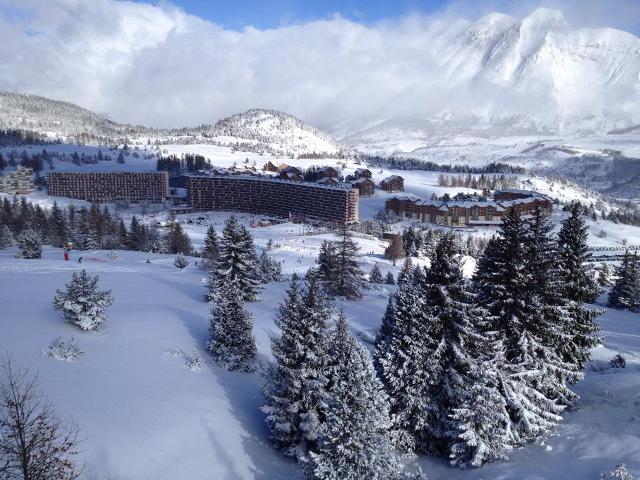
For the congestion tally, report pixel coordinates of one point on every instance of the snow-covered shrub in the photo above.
(194, 361)
(618, 473)
(113, 255)
(618, 361)
(63, 350)
(30, 245)
(82, 303)
(181, 262)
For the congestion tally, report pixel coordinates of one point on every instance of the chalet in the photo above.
(270, 167)
(328, 181)
(362, 173)
(289, 169)
(365, 186)
(296, 177)
(327, 171)
(394, 183)
(464, 213)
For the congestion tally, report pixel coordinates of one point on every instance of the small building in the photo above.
(362, 173)
(289, 169)
(394, 183)
(365, 186)
(327, 171)
(512, 194)
(270, 167)
(328, 181)
(18, 182)
(293, 176)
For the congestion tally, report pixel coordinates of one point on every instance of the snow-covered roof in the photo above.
(361, 180)
(264, 178)
(392, 178)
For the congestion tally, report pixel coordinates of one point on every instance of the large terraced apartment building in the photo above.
(19, 181)
(297, 201)
(110, 186)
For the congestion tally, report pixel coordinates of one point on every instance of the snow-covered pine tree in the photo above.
(504, 279)
(354, 439)
(453, 348)
(326, 262)
(406, 272)
(176, 240)
(561, 328)
(389, 280)
(400, 360)
(626, 289)
(181, 262)
(231, 342)
(348, 278)
(578, 284)
(294, 383)
(6, 238)
(375, 275)
(30, 244)
(211, 248)
(269, 270)
(58, 230)
(604, 275)
(82, 304)
(237, 260)
(618, 473)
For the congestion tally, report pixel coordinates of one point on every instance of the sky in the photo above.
(333, 63)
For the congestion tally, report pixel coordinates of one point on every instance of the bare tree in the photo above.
(35, 444)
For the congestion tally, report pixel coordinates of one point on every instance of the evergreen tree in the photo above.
(573, 254)
(30, 244)
(604, 275)
(6, 238)
(406, 272)
(176, 241)
(354, 441)
(211, 248)
(341, 271)
(81, 302)
(58, 230)
(181, 262)
(231, 342)
(505, 281)
(395, 250)
(237, 260)
(326, 261)
(626, 289)
(389, 280)
(375, 275)
(295, 382)
(269, 270)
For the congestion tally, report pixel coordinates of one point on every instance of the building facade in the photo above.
(365, 186)
(464, 213)
(110, 186)
(394, 183)
(18, 182)
(297, 201)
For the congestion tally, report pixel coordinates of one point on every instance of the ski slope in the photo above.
(145, 414)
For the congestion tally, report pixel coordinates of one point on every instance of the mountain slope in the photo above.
(507, 76)
(256, 130)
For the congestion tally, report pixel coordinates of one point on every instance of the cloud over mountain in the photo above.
(159, 66)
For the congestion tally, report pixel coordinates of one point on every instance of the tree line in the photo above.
(402, 163)
(186, 163)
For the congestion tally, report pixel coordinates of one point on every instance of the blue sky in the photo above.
(236, 14)
(273, 13)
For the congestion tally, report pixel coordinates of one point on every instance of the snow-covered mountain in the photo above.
(502, 75)
(256, 130)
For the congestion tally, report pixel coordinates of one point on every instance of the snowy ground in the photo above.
(146, 415)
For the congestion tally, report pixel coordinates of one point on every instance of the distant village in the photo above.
(315, 195)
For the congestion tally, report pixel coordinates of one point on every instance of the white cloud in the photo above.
(157, 65)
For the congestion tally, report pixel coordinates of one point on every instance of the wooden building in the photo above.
(270, 167)
(394, 183)
(464, 213)
(362, 173)
(365, 186)
(328, 171)
(297, 201)
(110, 186)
